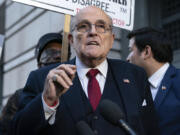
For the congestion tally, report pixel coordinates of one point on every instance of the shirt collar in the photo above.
(157, 77)
(83, 69)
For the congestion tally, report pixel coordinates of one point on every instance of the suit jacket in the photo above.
(125, 84)
(167, 102)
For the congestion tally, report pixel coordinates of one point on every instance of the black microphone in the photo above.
(84, 128)
(113, 113)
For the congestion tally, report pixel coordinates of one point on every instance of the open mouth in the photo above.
(92, 43)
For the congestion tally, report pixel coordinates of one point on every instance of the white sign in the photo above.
(1, 44)
(121, 11)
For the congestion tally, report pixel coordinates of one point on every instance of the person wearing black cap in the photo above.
(48, 49)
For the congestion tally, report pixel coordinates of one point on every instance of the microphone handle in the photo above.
(126, 127)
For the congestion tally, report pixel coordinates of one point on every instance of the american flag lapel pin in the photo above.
(163, 88)
(126, 80)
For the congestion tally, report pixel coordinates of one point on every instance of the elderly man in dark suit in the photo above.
(151, 49)
(55, 98)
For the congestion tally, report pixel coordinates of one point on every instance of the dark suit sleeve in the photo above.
(30, 113)
(148, 114)
(31, 89)
(34, 85)
(30, 119)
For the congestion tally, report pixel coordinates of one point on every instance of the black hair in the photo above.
(156, 39)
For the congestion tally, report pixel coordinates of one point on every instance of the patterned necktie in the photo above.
(94, 92)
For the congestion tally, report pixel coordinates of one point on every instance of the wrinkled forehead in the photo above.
(91, 14)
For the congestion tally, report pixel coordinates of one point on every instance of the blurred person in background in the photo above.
(150, 49)
(48, 51)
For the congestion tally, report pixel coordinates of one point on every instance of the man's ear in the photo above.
(147, 52)
(113, 37)
(70, 38)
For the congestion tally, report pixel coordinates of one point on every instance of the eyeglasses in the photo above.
(50, 56)
(100, 26)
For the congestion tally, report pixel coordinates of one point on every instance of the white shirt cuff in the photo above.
(50, 112)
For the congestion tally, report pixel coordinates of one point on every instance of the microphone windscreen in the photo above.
(84, 128)
(111, 111)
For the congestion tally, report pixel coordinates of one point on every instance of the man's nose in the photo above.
(93, 28)
(92, 31)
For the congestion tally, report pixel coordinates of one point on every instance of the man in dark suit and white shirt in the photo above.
(150, 49)
(55, 98)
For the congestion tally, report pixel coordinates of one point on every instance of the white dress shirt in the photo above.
(156, 78)
(82, 70)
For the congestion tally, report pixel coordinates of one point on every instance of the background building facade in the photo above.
(23, 25)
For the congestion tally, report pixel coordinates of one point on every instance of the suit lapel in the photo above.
(125, 85)
(110, 90)
(164, 88)
(73, 99)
